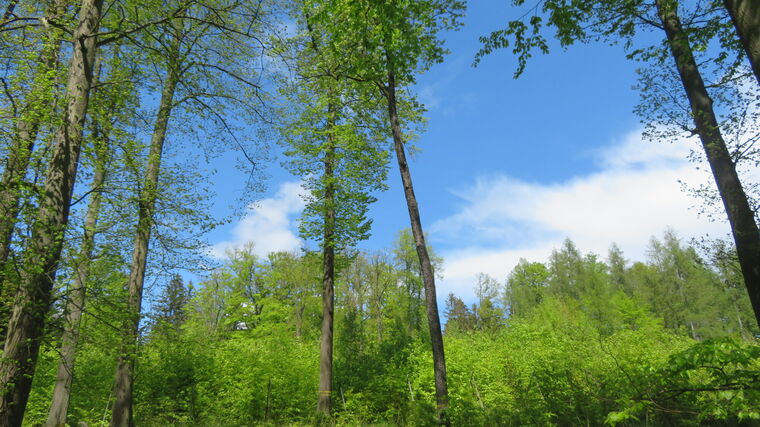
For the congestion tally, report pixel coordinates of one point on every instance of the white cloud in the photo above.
(269, 224)
(636, 194)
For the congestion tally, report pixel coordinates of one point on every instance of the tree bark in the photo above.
(20, 152)
(328, 271)
(428, 276)
(78, 292)
(741, 217)
(75, 308)
(121, 414)
(32, 301)
(746, 17)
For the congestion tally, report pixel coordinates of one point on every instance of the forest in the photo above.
(114, 311)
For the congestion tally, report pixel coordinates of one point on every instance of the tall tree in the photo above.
(32, 300)
(201, 69)
(619, 20)
(109, 101)
(746, 17)
(122, 407)
(389, 44)
(35, 109)
(170, 312)
(526, 287)
(337, 126)
(740, 215)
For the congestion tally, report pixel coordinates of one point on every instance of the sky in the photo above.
(509, 168)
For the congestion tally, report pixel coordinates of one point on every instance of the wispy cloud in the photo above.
(635, 194)
(269, 224)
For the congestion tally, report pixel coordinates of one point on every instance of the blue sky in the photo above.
(509, 168)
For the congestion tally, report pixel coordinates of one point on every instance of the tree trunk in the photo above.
(19, 154)
(75, 308)
(328, 270)
(121, 415)
(746, 17)
(740, 215)
(78, 292)
(32, 301)
(428, 276)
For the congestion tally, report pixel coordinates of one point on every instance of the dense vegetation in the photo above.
(589, 341)
(107, 109)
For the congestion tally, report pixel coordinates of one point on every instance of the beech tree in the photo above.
(194, 51)
(745, 15)
(620, 20)
(41, 258)
(100, 133)
(333, 122)
(34, 111)
(386, 45)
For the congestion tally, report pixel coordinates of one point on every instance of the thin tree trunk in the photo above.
(78, 292)
(746, 17)
(328, 269)
(740, 215)
(20, 152)
(121, 415)
(75, 308)
(428, 276)
(32, 301)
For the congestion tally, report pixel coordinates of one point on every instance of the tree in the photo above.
(740, 215)
(619, 20)
(122, 407)
(746, 17)
(380, 282)
(170, 312)
(488, 314)
(181, 48)
(393, 42)
(34, 111)
(459, 318)
(108, 104)
(334, 124)
(526, 287)
(32, 300)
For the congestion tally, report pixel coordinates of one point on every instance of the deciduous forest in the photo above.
(113, 312)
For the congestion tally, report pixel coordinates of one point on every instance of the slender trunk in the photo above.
(428, 276)
(328, 269)
(20, 152)
(740, 215)
(746, 17)
(122, 407)
(77, 293)
(32, 301)
(75, 308)
(299, 309)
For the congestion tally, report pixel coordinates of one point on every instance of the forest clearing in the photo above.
(196, 226)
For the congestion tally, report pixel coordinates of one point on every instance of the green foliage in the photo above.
(707, 382)
(554, 363)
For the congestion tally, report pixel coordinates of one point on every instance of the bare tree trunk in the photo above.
(121, 415)
(19, 154)
(740, 215)
(428, 276)
(78, 292)
(328, 269)
(75, 309)
(746, 17)
(32, 300)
